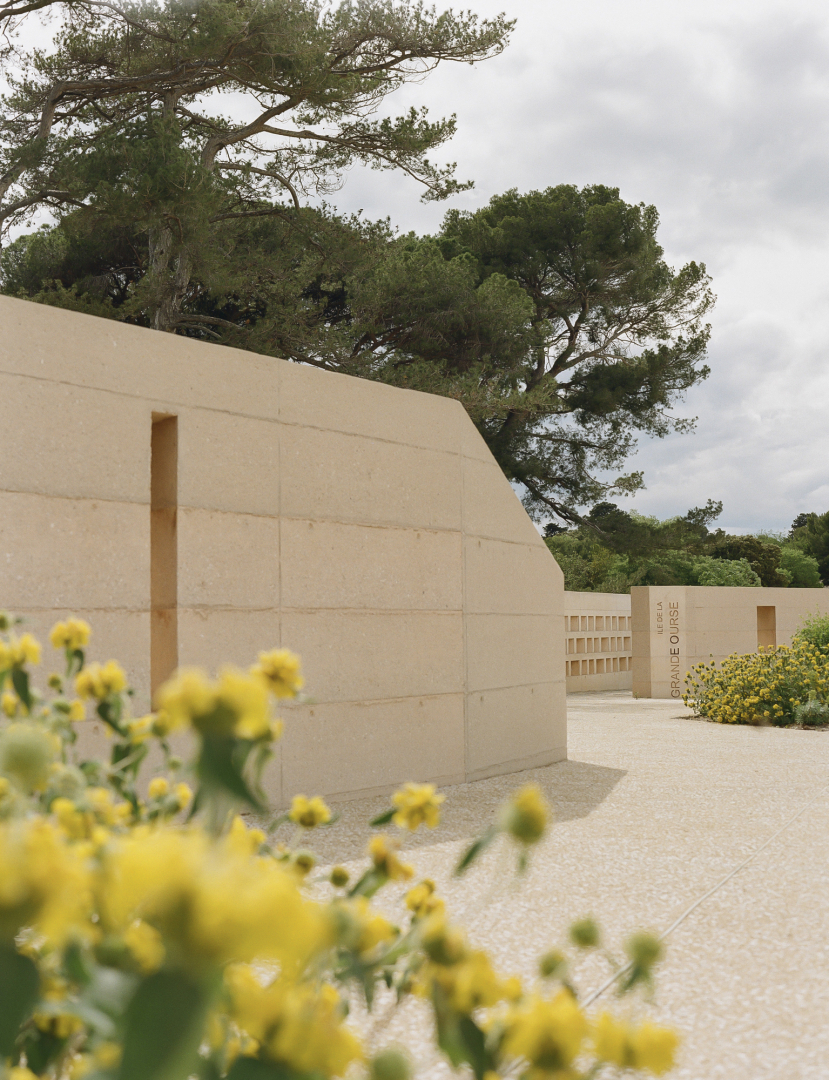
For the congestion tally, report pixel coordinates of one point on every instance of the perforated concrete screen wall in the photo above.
(197, 504)
(677, 627)
(597, 641)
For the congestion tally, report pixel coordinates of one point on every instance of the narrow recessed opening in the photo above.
(767, 627)
(163, 549)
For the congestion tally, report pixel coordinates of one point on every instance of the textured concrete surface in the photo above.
(366, 527)
(654, 808)
(676, 627)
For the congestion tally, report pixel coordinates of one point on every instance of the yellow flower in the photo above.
(10, 703)
(309, 812)
(470, 984)
(384, 856)
(77, 711)
(20, 1072)
(146, 945)
(526, 815)
(44, 883)
(549, 1034)
(240, 839)
(100, 681)
(247, 699)
(140, 729)
(72, 634)
(280, 668)
(184, 795)
(19, 651)
(654, 1048)
(358, 927)
(646, 1047)
(158, 787)
(300, 1026)
(239, 906)
(107, 1055)
(237, 704)
(189, 694)
(417, 804)
(73, 821)
(422, 900)
(610, 1040)
(79, 1066)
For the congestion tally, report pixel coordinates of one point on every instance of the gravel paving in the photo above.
(654, 808)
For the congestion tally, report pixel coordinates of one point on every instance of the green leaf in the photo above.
(382, 819)
(75, 964)
(247, 1068)
(20, 681)
(19, 989)
(450, 1040)
(217, 768)
(41, 1048)
(475, 849)
(475, 1046)
(262, 754)
(164, 1026)
(372, 880)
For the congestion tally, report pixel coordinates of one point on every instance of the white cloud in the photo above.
(718, 113)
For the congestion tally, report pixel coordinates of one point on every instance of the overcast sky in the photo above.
(718, 114)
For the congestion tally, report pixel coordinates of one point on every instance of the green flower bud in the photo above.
(552, 963)
(644, 950)
(26, 752)
(585, 933)
(339, 877)
(390, 1065)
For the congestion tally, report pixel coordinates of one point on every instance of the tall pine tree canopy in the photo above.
(174, 123)
(185, 152)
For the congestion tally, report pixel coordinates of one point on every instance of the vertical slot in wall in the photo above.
(163, 549)
(767, 627)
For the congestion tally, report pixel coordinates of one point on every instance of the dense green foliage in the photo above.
(551, 315)
(815, 630)
(615, 549)
(810, 534)
(126, 123)
(612, 338)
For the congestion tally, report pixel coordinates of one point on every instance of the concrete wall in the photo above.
(366, 527)
(597, 637)
(677, 627)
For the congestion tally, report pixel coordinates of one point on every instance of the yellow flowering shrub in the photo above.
(147, 931)
(765, 687)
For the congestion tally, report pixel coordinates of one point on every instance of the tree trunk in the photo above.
(169, 282)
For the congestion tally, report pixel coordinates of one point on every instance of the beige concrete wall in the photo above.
(677, 627)
(597, 641)
(366, 527)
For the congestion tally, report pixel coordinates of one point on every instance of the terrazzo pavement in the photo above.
(652, 809)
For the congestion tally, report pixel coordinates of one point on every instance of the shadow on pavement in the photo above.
(573, 789)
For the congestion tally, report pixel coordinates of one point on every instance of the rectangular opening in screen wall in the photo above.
(767, 627)
(163, 549)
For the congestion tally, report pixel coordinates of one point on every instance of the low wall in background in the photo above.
(197, 504)
(678, 627)
(597, 641)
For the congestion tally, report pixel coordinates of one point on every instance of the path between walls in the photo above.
(653, 809)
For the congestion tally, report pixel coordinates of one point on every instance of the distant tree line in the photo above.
(614, 549)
